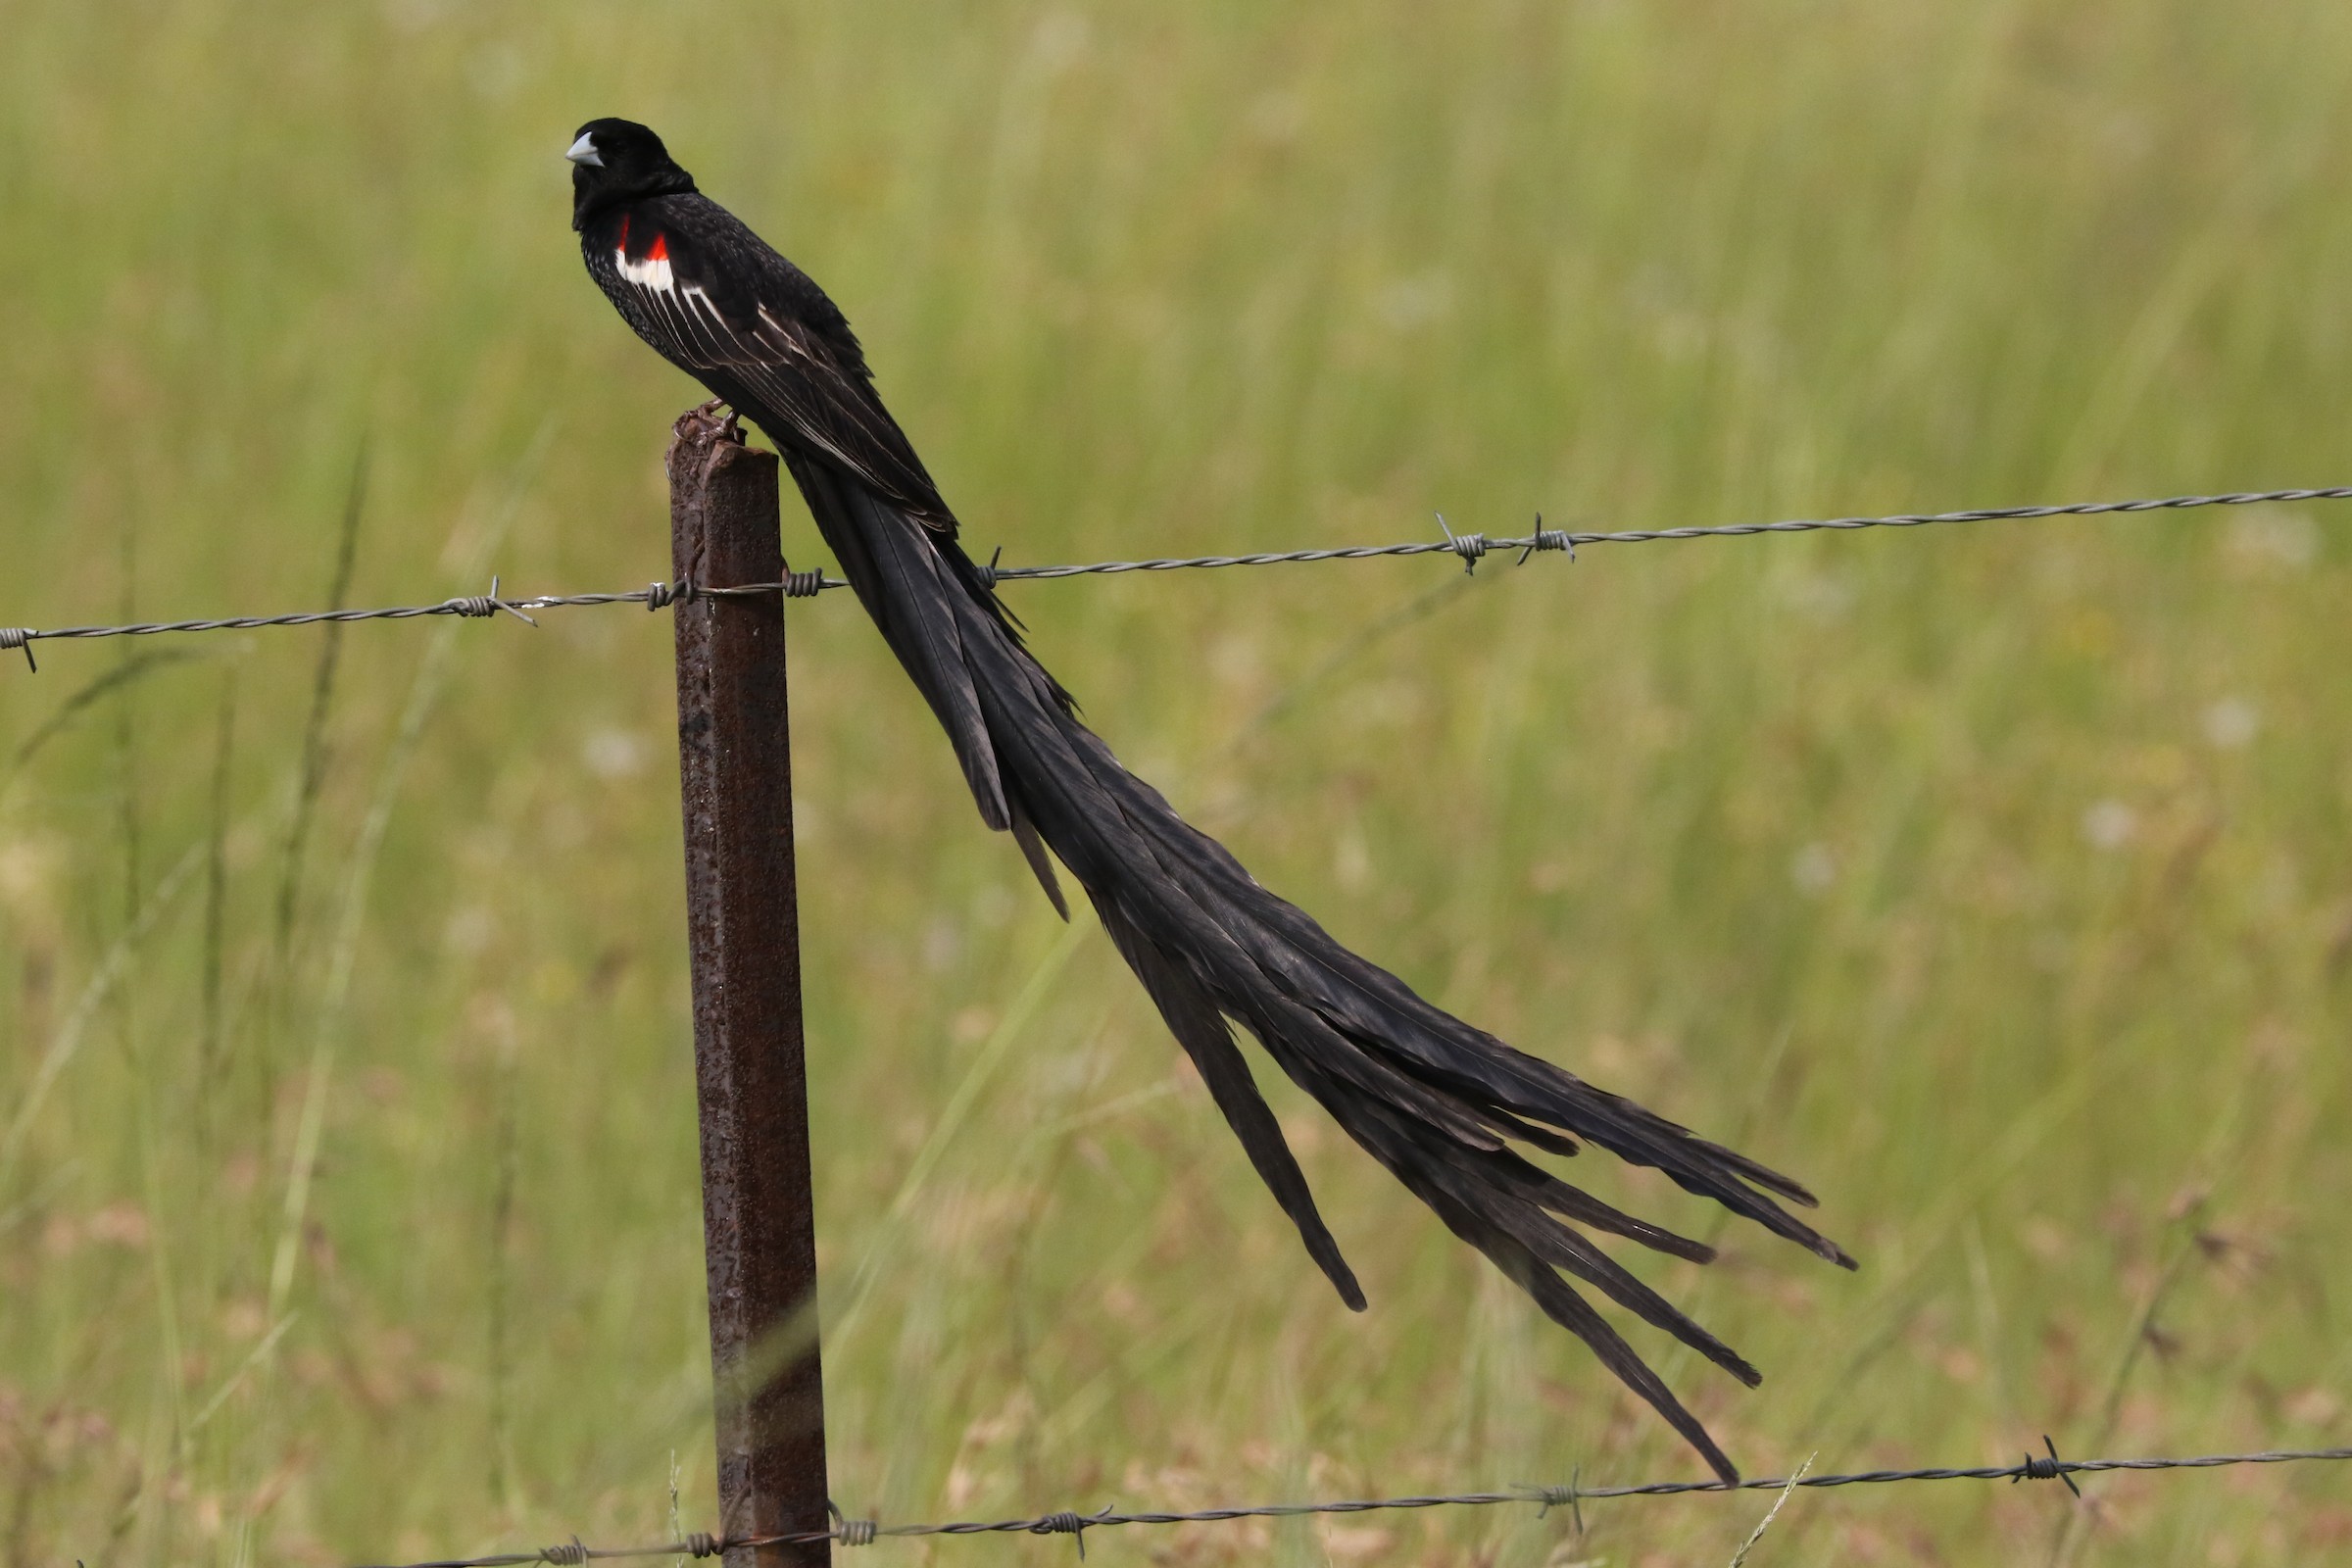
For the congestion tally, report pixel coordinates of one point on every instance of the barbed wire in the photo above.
(1469, 547)
(847, 1532)
(1473, 546)
(654, 596)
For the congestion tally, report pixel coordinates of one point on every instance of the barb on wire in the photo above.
(2047, 1469)
(863, 1532)
(1468, 548)
(1472, 547)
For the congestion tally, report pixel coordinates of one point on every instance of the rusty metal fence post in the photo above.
(758, 1228)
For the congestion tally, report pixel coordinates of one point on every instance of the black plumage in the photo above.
(1434, 1099)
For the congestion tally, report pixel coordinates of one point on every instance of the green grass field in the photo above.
(1997, 881)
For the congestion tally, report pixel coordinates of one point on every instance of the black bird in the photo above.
(1437, 1102)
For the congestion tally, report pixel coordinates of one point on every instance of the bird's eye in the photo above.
(584, 151)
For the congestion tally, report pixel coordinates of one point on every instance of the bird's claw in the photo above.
(730, 425)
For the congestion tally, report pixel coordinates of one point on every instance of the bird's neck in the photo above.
(591, 200)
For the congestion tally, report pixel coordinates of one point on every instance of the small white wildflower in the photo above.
(2231, 723)
(613, 754)
(2275, 536)
(2110, 825)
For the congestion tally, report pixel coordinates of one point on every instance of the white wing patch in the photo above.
(652, 272)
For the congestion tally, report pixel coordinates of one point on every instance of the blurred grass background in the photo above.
(1994, 881)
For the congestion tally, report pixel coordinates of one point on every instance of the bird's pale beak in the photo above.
(583, 151)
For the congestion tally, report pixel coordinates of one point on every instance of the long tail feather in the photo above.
(1432, 1099)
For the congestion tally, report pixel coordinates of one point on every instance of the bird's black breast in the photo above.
(618, 245)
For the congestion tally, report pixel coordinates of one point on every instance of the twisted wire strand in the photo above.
(656, 595)
(863, 1532)
(1468, 548)
(1471, 548)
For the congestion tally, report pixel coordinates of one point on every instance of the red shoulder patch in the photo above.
(661, 250)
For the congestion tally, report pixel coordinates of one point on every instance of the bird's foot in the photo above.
(730, 426)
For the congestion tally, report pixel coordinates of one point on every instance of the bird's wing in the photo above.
(719, 303)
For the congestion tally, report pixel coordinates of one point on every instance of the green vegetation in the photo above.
(1996, 881)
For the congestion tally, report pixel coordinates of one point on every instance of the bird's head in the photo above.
(620, 161)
